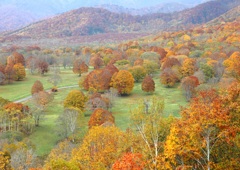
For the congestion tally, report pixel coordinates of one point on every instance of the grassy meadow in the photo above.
(20, 89)
(45, 137)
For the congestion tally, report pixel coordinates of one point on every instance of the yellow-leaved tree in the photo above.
(123, 81)
(101, 147)
(75, 99)
(233, 65)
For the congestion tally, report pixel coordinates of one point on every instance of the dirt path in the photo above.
(29, 97)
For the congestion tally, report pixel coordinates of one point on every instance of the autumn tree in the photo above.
(123, 81)
(59, 157)
(195, 138)
(37, 87)
(129, 161)
(188, 85)
(148, 84)
(94, 80)
(150, 66)
(19, 71)
(19, 58)
(9, 73)
(168, 77)
(138, 62)
(14, 116)
(75, 98)
(232, 65)
(96, 62)
(5, 160)
(100, 79)
(162, 52)
(79, 67)
(99, 117)
(56, 164)
(100, 148)
(188, 67)
(170, 62)
(16, 58)
(138, 72)
(42, 67)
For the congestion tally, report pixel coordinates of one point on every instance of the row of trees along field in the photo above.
(204, 62)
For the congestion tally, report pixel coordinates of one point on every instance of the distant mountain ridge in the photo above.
(15, 14)
(161, 8)
(90, 21)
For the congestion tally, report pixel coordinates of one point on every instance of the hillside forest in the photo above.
(169, 100)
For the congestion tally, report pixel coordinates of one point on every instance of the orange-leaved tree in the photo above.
(168, 77)
(16, 58)
(37, 87)
(99, 117)
(80, 67)
(148, 84)
(9, 73)
(129, 161)
(188, 85)
(100, 79)
(123, 81)
(42, 67)
(195, 139)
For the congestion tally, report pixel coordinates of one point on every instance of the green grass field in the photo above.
(45, 136)
(20, 89)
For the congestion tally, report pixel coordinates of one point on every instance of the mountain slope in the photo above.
(89, 21)
(23, 12)
(11, 17)
(231, 15)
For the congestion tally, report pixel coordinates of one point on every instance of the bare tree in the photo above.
(23, 159)
(95, 103)
(112, 95)
(32, 64)
(40, 100)
(55, 78)
(69, 121)
(151, 126)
